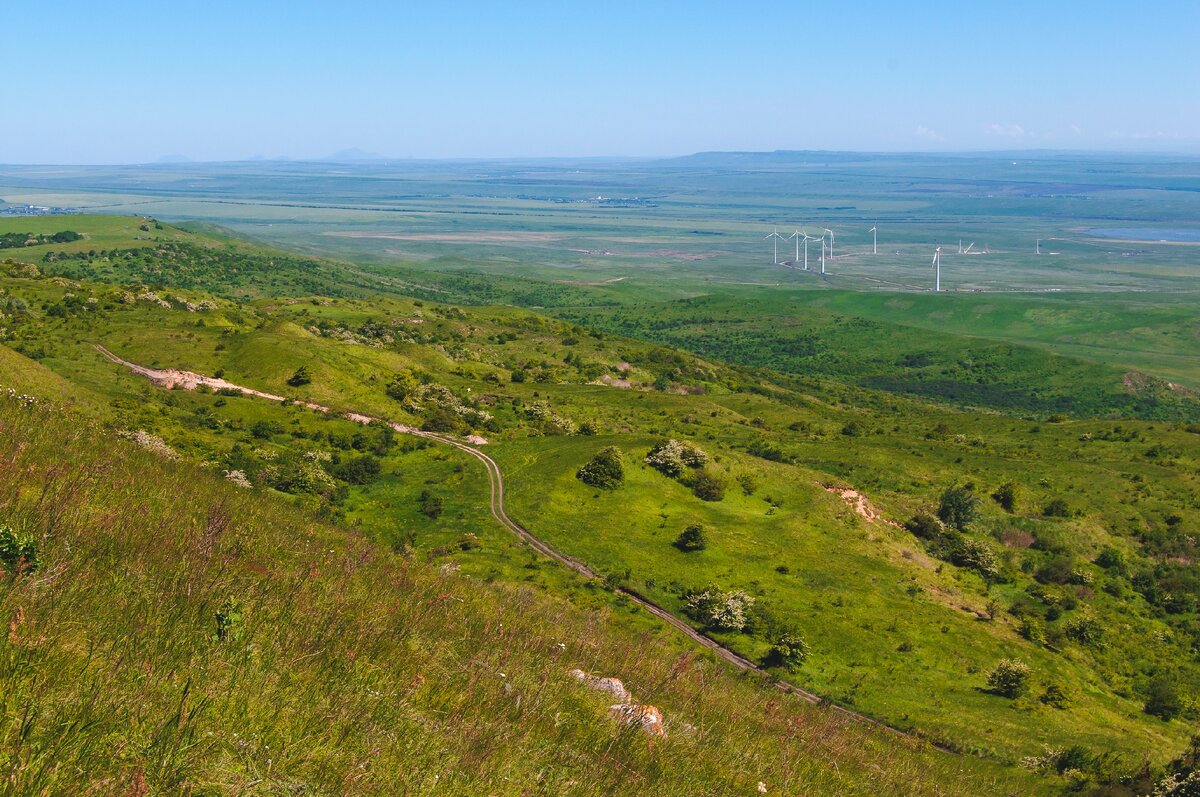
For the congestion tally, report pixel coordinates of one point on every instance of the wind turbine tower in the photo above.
(937, 270)
(1037, 247)
(777, 238)
(874, 241)
(830, 242)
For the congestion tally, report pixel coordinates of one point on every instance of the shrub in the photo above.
(748, 482)
(1111, 558)
(264, 429)
(1084, 629)
(977, 556)
(927, 527)
(229, 620)
(692, 538)
(18, 552)
(1162, 698)
(1033, 629)
(788, 651)
(1054, 696)
(303, 376)
(1056, 508)
(604, 470)
(959, 507)
(708, 486)
(1059, 570)
(719, 610)
(358, 470)
(430, 505)
(402, 385)
(853, 429)
(442, 420)
(1010, 678)
(1006, 496)
(672, 457)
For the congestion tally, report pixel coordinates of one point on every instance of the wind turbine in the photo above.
(830, 242)
(1037, 247)
(777, 238)
(937, 270)
(796, 235)
(808, 238)
(874, 241)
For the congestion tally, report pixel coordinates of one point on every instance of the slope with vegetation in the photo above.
(1063, 547)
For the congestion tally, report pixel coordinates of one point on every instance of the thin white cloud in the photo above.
(1009, 131)
(929, 134)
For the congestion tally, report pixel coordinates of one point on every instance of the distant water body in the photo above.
(1148, 234)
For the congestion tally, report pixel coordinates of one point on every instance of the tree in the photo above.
(959, 507)
(692, 538)
(788, 651)
(303, 376)
(604, 470)
(1010, 678)
(1006, 496)
(708, 486)
(1162, 698)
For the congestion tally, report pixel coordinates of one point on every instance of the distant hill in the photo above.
(353, 154)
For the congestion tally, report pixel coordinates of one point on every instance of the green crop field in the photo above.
(919, 487)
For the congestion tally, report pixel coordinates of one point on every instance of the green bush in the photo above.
(692, 538)
(229, 620)
(708, 486)
(788, 651)
(430, 505)
(1084, 629)
(18, 552)
(303, 376)
(604, 470)
(1006, 496)
(1010, 678)
(1163, 699)
(959, 507)
(1054, 696)
(1056, 507)
(358, 470)
(927, 527)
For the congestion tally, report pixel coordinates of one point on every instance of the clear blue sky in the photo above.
(110, 81)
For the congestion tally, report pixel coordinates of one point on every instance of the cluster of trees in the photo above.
(17, 240)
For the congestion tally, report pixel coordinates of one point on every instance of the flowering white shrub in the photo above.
(673, 456)
(151, 443)
(720, 610)
(238, 477)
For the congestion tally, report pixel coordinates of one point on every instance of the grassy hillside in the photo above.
(206, 641)
(1091, 581)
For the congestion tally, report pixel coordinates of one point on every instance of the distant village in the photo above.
(33, 210)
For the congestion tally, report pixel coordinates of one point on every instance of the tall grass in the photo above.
(340, 667)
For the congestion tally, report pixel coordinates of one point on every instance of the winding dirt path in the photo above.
(189, 380)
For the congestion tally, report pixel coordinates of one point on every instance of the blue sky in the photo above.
(119, 82)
